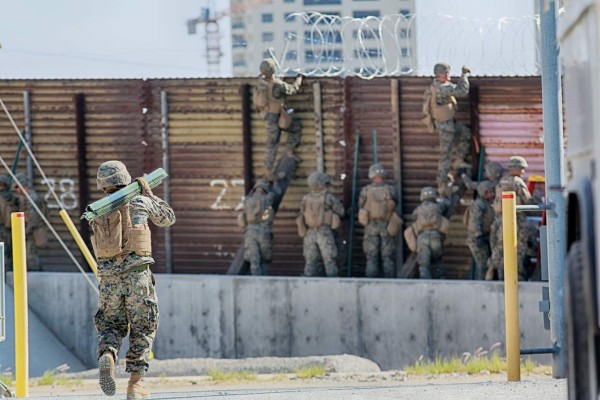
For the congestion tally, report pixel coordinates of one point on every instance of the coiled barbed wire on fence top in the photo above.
(330, 45)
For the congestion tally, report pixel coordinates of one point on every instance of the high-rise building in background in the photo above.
(305, 45)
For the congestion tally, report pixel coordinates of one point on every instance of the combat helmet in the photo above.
(315, 180)
(112, 173)
(517, 162)
(494, 171)
(325, 179)
(428, 193)
(376, 170)
(441, 68)
(267, 67)
(23, 179)
(483, 187)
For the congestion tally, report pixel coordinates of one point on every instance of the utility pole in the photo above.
(554, 165)
(212, 37)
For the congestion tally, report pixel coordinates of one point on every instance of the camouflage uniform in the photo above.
(493, 173)
(431, 228)
(319, 241)
(8, 205)
(258, 236)
(479, 219)
(278, 91)
(441, 96)
(33, 220)
(127, 294)
(378, 244)
(511, 183)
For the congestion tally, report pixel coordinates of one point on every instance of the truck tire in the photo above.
(582, 382)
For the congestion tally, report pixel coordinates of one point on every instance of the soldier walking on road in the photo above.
(269, 98)
(478, 218)
(320, 214)
(257, 220)
(439, 108)
(35, 228)
(128, 301)
(377, 212)
(426, 235)
(512, 183)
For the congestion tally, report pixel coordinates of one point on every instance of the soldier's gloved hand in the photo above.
(466, 70)
(482, 240)
(146, 191)
(299, 79)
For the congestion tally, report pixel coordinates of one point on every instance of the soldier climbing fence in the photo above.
(215, 144)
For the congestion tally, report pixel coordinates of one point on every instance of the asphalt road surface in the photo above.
(544, 389)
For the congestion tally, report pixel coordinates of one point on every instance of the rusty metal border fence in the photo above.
(216, 145)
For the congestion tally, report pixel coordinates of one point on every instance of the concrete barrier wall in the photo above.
(391, 322)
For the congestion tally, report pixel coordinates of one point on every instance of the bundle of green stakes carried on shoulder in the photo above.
(122, 196)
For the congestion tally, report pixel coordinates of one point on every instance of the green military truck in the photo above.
(579, 34)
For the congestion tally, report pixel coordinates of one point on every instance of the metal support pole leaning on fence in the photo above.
(375, 156)
(350, 260)
(511, 293)
(164, 121)
(79, 240)
(20, 290)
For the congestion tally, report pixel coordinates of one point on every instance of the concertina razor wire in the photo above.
(326, 45)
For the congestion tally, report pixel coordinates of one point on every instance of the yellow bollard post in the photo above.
(75, 233)
(511, 292)
(20, 289)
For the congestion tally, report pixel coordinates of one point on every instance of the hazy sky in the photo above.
(103, 38)
(149, 38)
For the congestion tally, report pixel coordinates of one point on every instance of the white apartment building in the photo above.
(324, 46)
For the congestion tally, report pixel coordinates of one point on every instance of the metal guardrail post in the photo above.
(511, 292)
(20, 290)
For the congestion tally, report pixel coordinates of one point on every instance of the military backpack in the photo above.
(314, 209)
(254, 208)
(380, 203)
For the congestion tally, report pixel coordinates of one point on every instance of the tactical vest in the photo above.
(314, 209)
(316, 214)
(263, 97)
(256, 209)
(509, 183)
(275, 105)
(487, 216)
(114, 236)
(380, 203)
(441, 112)
(428, 217)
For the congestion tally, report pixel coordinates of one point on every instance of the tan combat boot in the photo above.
(135, 390)
(106, 365)
(489, 274)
